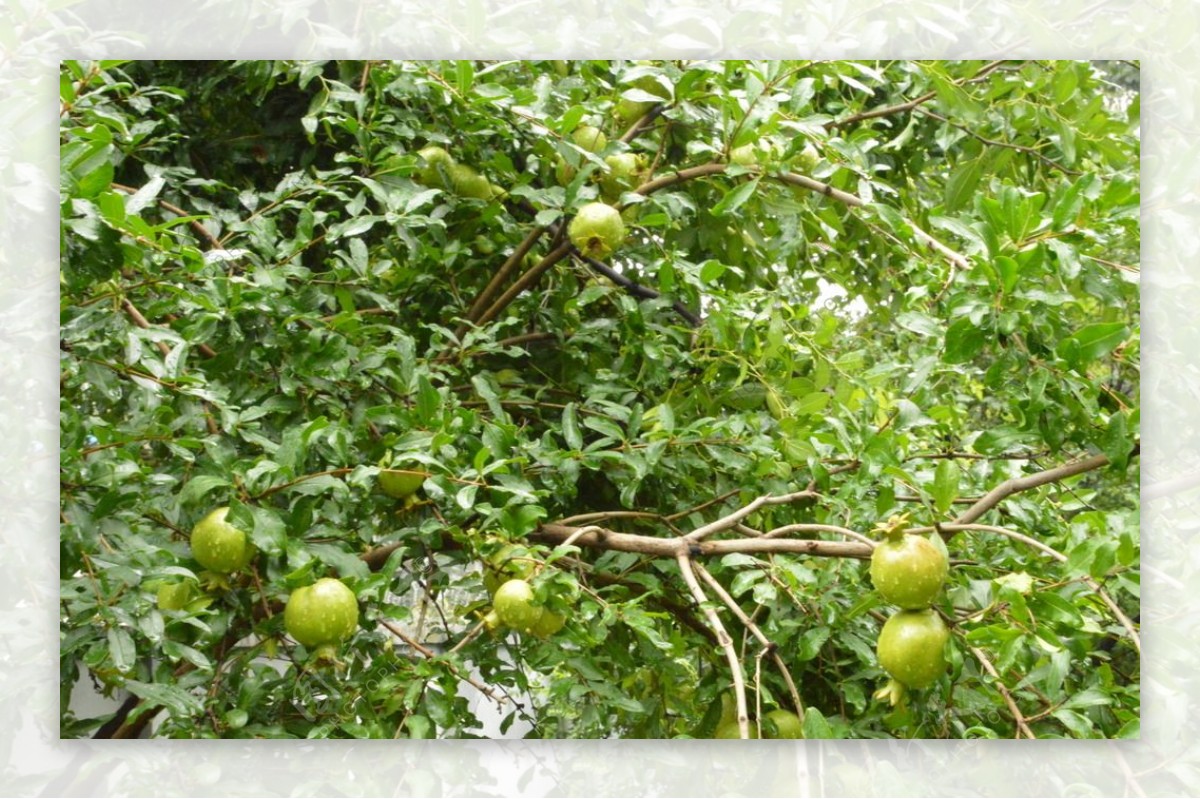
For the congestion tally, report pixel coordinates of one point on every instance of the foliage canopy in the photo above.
(269, 296)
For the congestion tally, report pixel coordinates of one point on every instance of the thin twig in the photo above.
(910, 104)
(431, 655)
(1018, 147)
(727, 522)
(820, 528)
(1022, 727)
(1124, 620)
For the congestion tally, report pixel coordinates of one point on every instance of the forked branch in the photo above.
(684, 560)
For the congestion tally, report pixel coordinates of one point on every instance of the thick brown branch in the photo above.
(682, 176)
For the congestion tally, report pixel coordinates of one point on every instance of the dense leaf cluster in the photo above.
(263, 304)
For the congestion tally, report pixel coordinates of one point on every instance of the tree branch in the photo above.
(637, 289)
(1018, 484)
(723, 639)
(755, 630)
(1022, 727)
(667, 547)
(525, 281)
(732, 519)
(429, 654)
(506, 268)
(911, 104)
(1050, 162)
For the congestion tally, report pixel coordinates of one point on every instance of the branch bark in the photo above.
(723, 639)
(755, 630)
(506, 269)
(668, 547)
(1018, 484)
(525, 281)
(1018, 717)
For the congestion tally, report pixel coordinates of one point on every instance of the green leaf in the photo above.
(321, 484)
(269, 534)
(811, 643)
(1092, 342)
(122, 649)
(815, 725)
(1116, 442)
(570, 427)
(1091, 697)
(1002, 440)
(464, 76)
(711, 271)
(604, 426)
(743, 581)
(429, 401)
(945, 485)
(1067, 209)
(960, 188)
(964, 341)
(747, 396)
(1077, 724)
(200, 486)
(520, 520)
(735, 198)
(178, 702)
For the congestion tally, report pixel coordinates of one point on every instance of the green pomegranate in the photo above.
(219, 546)
(782, 724)
(808, 159)
(400, 483)
(511, 562)
(622, 175)
(730, 730)
(514, 605)
(590, 138)
(629, 111)
(746, 155)
(466, 182)
(587, 137)
(321, 615)
(435, 169)
(547, 624)
(908, 570)
(911, 647)
(597, 230)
